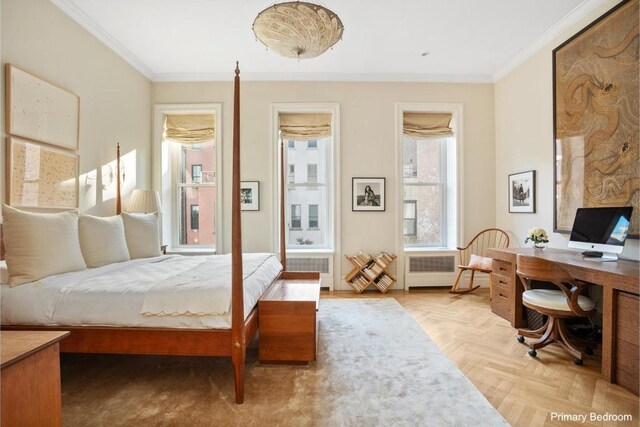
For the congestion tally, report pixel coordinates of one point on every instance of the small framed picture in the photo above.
(368, 194)
(522, 192)
(250, 195)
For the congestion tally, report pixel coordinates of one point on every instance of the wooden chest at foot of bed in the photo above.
(287, 321)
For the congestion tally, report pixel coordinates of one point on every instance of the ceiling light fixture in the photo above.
(298, 29)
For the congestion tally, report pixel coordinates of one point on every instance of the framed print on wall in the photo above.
(39, 110)
(250, 195)
(368, 194)
(595, 118)
(522, 192)
(39, 176)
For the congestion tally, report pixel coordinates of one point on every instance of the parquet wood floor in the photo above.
(526, 391)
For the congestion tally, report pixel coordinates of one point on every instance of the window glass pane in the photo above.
(196, 215)
(292, 174)
(291, 144)
(310, 190)
(422, 160)
(429, 215)
(312, 144)
(410, 220)
(197, 164)
(313, 216)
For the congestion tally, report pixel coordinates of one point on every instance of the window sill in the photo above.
(310, 251)
(313, 229)
(295, 228)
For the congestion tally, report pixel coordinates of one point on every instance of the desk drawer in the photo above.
(502, 268)
(627, 351)
(501, 284)
(501, 305)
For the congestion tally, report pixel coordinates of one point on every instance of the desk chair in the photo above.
(489, 238)
(557, 305)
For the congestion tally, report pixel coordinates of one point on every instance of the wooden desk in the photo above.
(621, 301)
(30, 365)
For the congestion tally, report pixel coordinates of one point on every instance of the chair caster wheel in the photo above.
(520, 339)
(577, 361)
(533, 353)
(588, 351)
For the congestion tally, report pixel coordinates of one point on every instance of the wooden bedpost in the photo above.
(283, 246)
(238, 344)
(118, 195)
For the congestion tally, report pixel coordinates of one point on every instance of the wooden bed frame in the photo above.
(190, 342)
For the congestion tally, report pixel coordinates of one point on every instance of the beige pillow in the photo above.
(142, 233)
(102, 240)
(40, 244)
(4, 273)
(481, 262)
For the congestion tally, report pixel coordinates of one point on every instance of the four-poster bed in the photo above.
(231, 342)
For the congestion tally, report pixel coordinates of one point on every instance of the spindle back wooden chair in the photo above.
(489, 238)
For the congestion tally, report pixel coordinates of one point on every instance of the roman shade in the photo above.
(420, 125)
(189, 128)
(305, 126)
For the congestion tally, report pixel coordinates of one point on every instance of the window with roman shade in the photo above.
(308, 194)
(190, 128)
(427, 139)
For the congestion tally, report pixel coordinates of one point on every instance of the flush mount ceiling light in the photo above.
(298, 29)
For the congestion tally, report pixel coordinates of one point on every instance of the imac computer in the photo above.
(601, 232)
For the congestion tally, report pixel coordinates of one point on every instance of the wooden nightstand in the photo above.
(30, 365)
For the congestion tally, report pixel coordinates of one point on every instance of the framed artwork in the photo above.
(522, 192)
(595, 102)
(250, 195)
(41, 111)
(368, 194)
(39, 176)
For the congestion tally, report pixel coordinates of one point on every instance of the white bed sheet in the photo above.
(113, 295)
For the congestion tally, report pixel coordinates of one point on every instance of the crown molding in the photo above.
(324, 77)
(573, 17)
(75, 13)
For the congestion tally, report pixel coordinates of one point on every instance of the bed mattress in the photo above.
(152, 292)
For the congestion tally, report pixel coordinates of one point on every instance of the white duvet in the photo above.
(168, 291)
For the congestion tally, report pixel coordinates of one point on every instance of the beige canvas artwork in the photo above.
(597, 117)
(42, 176)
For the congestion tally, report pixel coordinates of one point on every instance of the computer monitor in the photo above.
(601, 230)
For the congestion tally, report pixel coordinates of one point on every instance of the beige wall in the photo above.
(524, 138)
(367, 141)
(114, 97)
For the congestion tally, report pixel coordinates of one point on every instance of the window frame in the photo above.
(163, 177)
(317, 217)
(197, 212)
(193, 177)
(414, 219)
(315, 179)
(299, 216)
(332, 228)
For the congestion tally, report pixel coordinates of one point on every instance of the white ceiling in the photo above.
(468, 40)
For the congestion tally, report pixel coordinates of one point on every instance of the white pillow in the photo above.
(142, 233)
(4, 273)
(102, 240)
(38, 245)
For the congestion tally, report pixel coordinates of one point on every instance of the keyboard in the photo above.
(592, 254)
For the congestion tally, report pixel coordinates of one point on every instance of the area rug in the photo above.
(376, 367)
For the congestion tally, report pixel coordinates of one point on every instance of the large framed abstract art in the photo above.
(596, 117)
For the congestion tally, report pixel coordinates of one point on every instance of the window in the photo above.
(313, 216)
(312, 173)
(195, 217)
(292, 174)
(196, 174)
(410, 217)
(310, 189)
(425, 191)
(296, 217)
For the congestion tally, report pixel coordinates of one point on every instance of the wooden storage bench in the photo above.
(288, 325)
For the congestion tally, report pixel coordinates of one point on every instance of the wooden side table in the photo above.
(30, 375)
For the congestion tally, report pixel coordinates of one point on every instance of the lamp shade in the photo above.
(147, 201)
(298, 29)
